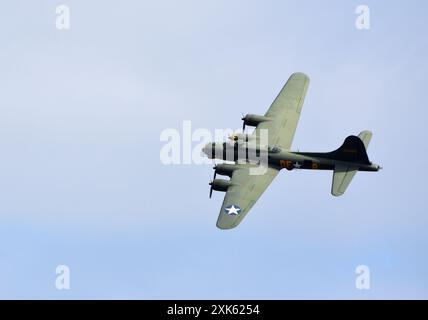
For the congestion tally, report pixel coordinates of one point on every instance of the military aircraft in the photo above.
(279, 123)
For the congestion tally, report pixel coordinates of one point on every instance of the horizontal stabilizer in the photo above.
(365, 137)
(342, 177)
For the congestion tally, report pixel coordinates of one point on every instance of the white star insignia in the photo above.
(297, 165)
(232, 210)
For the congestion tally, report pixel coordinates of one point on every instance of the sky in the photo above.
(82, 184)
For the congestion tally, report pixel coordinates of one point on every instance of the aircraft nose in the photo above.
(206, 149)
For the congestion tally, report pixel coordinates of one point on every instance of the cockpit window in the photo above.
(274, 149)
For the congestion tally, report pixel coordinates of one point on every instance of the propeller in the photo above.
(211, 189)
(211, 183)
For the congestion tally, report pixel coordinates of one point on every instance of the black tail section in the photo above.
(352, 149)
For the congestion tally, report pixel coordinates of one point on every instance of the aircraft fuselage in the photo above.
(312, 161)
(282, 159)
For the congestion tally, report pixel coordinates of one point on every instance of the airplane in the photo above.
(279, 123)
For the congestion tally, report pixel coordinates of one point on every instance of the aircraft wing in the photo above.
(285, 111)
(246, 189)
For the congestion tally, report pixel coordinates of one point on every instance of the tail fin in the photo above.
(353, 149)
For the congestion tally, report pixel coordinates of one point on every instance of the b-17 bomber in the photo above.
(258, 157)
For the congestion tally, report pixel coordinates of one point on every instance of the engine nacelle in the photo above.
(225, 169)
(220, 185)
(254, 120)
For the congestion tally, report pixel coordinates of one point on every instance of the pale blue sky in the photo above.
(81, 184)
